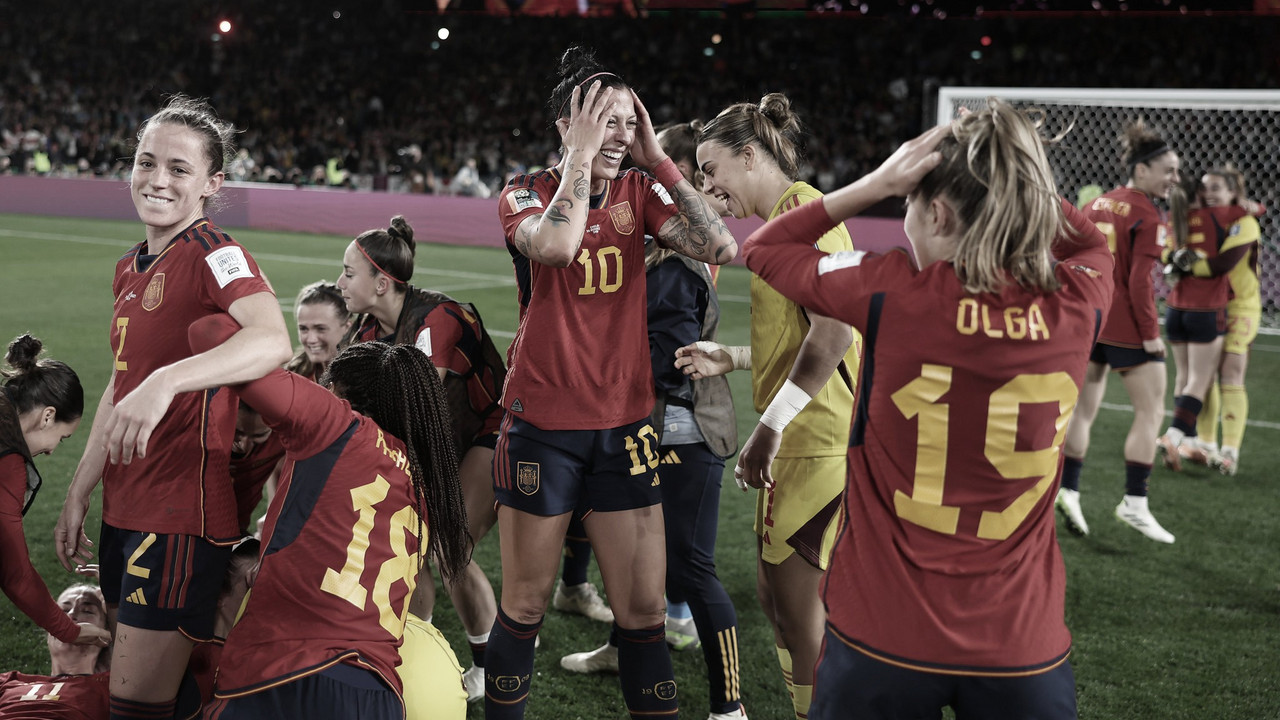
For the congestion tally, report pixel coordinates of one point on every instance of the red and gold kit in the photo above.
(1135, 231)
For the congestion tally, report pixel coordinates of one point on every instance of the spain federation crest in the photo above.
(154, 294)
(528, 477)
(624, 221)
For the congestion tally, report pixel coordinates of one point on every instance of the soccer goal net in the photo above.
(1206, 127)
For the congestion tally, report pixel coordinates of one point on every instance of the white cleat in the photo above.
(1133, 511)
(739, 714)
(582, 599)
(1228, 461)
(473, 680)
(603, 659)
(1068, 505)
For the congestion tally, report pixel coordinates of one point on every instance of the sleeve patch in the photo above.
(424, 342)
(522, 199)
(840, 260)
(663, 194)
(228, 264)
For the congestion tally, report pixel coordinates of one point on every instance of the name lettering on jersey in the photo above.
(663, 194)
(528, 477)
(1014, 323)
(523, 199)
(154, 294)
(624, 221)
(594, 229)
(840, 260)
(228, 264)
(1106, 204)
(424, 342)
(398, 457)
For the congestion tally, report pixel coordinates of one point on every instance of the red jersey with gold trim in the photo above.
(57, 697)
(183, 485)
(1135, 230)
(249, 475)
(1212, 232)
(580, 357)
(948, 559)
(340, 546)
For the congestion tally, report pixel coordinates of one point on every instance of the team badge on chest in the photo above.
(624, 221)
(528, 477)
(154, 294)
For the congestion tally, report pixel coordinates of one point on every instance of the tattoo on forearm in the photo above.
(581, 186)
(698, 228)
(556, 213)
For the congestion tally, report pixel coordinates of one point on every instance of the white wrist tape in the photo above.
(788, 403)
(739, 355)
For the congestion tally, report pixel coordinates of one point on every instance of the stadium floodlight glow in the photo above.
(715, 39)
(224, 27)
(443, 33)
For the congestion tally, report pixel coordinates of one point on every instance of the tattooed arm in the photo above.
(553, 237)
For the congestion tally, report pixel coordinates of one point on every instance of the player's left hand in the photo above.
(907, 166)
(134, 418)
(755, 460)
(645, 150)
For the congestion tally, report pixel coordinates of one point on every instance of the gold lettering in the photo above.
(1035, 321)
(989, 331)
(967, 316)
(1015, 323)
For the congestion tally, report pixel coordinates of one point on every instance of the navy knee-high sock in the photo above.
(508, 667)
(645, 672)
(1071, 468)
(122, 709)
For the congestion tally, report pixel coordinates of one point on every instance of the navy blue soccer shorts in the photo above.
(552, 472)
(1121, 358)
(1195, 326)
(339, 692)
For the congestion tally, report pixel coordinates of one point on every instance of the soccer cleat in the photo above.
(1133, 511)
(1068, 505)
(603, 659)
(473, 680)
(1195, 452)
(1228, 461)
(1168, 447)
(582, 599)
(739, 714)
(682, 634)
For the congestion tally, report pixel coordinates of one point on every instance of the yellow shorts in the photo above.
(431, 675)
(1241, 331)
(801, 513)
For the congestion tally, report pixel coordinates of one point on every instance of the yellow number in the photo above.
(132, 567)
(919, 399)
(650, 457)
(1109, 230)
(602, 259)
(402, 565)
(34, 692)
(122, 323)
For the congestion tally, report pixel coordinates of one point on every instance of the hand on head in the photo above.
(586, 125)
(645, 151)
(907, 166)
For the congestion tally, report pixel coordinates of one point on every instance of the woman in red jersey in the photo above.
(345, 535)
(1130, 341)
(376, 269)
(946, 586)
(161, 439)
(576, 437)
(40, 406)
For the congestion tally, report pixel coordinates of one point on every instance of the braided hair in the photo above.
(399, 388)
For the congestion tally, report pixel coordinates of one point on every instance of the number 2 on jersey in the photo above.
(919, 399)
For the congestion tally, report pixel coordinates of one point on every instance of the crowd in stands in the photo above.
(374, 97)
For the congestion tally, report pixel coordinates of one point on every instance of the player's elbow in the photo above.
(724, 253)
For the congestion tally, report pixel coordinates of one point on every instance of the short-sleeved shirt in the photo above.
(1135, 230)
(580, 358)
(1215, 234)
(949, 558)
(183, 485)
(340, 546)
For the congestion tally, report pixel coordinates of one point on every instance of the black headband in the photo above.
(1161, 149)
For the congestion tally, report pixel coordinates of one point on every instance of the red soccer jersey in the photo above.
(451, 337)
(1135, 232)
(1208, 230)
(183, 485)
(249, 474)
(580, 357)
(340, 546)
(948, 558)
(18, 577)
(59, 697)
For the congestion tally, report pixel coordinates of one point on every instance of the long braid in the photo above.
(399, 388)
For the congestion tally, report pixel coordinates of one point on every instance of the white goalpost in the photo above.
(1206, 127)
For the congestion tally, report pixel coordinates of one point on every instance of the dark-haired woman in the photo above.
(161, 438)
(802, 365)
(369, 466)
(576, 437)
(321, 315)
(1130, 341)
(376, 269)
(40, 406)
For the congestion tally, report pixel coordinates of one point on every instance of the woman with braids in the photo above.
(802, 365)
(323, 320)
(1130, 341)
(1210, 241)
(40, 406)
(369, 468)
(576, 438)
(946, 585)
(376, 269)
(161, 439)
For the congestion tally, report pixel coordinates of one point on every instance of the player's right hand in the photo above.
(93, 635)
(586, 126)
(70, 544)
(703, 359)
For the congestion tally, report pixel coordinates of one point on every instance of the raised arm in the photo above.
(554, 236)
